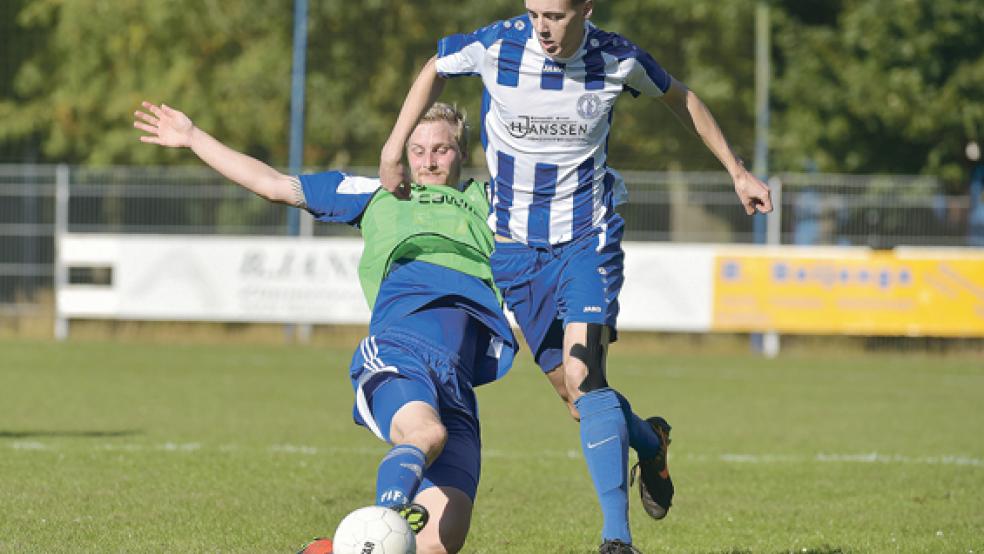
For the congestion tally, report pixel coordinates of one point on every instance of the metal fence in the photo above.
(813, 209)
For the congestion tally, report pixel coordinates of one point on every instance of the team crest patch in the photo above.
(589, 105)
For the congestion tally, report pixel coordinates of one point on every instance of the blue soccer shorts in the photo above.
(400, 355)
(548, 287)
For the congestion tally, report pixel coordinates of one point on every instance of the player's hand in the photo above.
(393, 175)
(165, 126)
(753, 193)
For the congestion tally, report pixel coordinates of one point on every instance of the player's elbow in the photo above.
(276, 188)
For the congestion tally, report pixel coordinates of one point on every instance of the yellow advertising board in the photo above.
(913, 292)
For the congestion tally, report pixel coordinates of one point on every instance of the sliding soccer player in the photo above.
(437, 328)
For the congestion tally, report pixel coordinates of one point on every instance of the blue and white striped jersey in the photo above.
(545, 123)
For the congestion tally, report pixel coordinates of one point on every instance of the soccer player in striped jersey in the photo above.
(437, 327)
(551, 79)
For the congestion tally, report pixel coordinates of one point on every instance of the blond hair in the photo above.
(453, 117)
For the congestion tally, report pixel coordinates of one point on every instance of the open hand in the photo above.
(165, 126)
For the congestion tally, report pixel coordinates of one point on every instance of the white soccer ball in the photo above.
(374, 530)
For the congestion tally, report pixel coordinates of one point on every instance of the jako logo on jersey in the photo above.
(545, 128)
(589, 105)
(592, 309)
(550, 66)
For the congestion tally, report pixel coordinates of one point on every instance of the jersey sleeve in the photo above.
(337, 197)
(645, 75)
(461, 55)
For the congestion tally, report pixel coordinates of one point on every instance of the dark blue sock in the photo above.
(604, 441)
(399, 475)
(642, 438)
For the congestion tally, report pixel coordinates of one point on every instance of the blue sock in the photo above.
(642, 438)
(399, 475)
(604, 441)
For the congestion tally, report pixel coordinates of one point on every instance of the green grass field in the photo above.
(108, 447)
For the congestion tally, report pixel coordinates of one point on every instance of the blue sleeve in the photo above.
(460, 55)
(337, 197)
(645, 76)
(463, 54)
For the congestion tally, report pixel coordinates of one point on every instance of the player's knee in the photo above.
(430, 437)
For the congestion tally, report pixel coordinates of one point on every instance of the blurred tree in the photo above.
(704, 47)
(225, 63)
(709, 46)
(362, 58)
(861, 85)
(879, 85)
(16, 48)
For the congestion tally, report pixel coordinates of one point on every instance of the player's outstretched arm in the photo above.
(691, 111)
(423, 93)
(169, 127)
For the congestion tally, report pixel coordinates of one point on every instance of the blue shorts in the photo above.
(548, 287)
(406, 356)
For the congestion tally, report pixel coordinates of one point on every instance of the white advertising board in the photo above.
(195, 278)
(668, 287)
(315, 280)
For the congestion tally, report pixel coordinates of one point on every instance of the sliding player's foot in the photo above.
(655, 485)
(317, 546)
(415, 514)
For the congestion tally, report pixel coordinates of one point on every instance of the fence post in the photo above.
(62, 176)
(770, 340)
(298, 224)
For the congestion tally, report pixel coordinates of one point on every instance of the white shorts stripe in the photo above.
(372, 365)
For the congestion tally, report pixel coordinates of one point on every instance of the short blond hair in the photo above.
(453, 117)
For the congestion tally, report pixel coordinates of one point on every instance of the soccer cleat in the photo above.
(655, 485)
(317, 546)
(617, 547)
(415, 514)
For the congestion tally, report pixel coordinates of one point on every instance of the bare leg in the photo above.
(450, 517)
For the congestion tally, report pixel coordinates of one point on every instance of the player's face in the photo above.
(434, 155)
(559, 24)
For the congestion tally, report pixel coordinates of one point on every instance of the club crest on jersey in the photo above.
(589, 105)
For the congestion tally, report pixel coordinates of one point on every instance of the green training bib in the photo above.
(439, 225)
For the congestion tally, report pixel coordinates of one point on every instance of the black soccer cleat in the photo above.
(415, 514)
(655, 485)
(616, 546)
